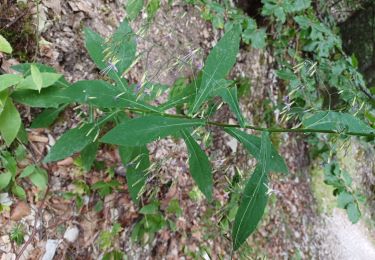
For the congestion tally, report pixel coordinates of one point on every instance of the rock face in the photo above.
(358, 35)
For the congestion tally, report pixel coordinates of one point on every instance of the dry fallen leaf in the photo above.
(66, 162)
(20, 211)
(38, 138)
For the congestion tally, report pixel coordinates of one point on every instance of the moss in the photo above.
(323, 194)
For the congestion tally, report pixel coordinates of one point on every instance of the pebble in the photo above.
(71, 234)
(51, 247)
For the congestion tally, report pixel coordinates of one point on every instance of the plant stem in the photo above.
(256, 128)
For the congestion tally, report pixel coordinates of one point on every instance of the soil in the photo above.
(289, 229)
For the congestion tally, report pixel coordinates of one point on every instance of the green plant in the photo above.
(152, 221)
(33, 77)
(17, 234)
(11, 174)
(127, 119)
(347, 198)
(80, 190)
(107, 243)
(134, 7)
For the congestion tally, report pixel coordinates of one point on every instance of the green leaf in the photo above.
(72, 141)
(39, 178)
(30, 169)
(255, 196)
(152, 8)
(118, 51)
(337, 121)
(9, 163)
(133, 8)
(49, 97)
(122, 47)
(280, 14)
(200, 167)
(36, 78)
(218, 64)
(286, 74)
(94, 45)
(303, 21)
(181, 93)
(353, 212)
(4, 45)
(218, 21)
(5, 179)
(229, 95)
(25, 68)
(10, 122)
(253, 144)
(88, 155)
(300, 5)
(47, 79)
(142, 130)
(101, 94)
(152, 208)
(114, 255)
(47, 117)
(22, 135)
(344, 198)
(258, 38)
(19, 192)
(136, 162)
(8, 80)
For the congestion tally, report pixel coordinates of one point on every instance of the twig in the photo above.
(14, 21)
(37, 216)
(256, 128)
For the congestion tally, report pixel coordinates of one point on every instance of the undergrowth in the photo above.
(321, 95)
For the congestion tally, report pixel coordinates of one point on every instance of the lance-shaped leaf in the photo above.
(5, 45)
(10, 122)
(88, 155)
(229, 96)
(49, 74)
(133, 8)
(200, 167)
(25, 68)
(5, 178)
(49, 97)
(122, 47)
(39, 81)
(36, 77)
(218, 64)
(254, 198)
(101, 94)
(336, 121)
(118, 51)
(94, 45)
(136, 162)
(72, 141)
(182, 93)
(252, 144)
(142, 130)
(8, 80)
(47, 117)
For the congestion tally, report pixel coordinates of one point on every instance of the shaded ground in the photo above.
(287, 230)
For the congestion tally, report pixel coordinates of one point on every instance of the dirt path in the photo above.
(343, 240)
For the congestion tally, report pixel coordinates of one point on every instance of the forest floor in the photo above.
(292, 227)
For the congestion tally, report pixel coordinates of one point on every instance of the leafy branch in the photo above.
(368, 132)
(39, 86)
